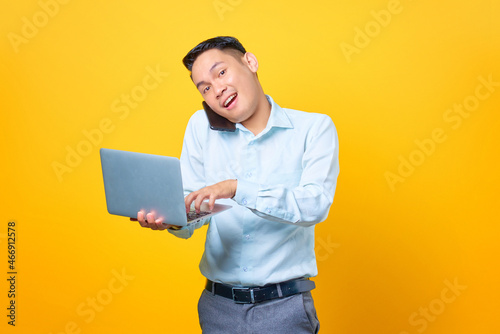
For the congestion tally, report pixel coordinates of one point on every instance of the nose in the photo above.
(219, 89)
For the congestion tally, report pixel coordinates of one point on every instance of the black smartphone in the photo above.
(217, 122)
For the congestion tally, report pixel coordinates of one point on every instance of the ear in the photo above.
(251, 61)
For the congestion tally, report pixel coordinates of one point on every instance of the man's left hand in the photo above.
(224, 189)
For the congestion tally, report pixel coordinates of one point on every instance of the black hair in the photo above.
(220, 42)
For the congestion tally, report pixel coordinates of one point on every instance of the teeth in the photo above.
(229, 100)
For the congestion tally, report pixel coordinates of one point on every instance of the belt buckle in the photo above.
(252, 297)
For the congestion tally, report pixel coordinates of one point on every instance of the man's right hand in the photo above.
(150, 221)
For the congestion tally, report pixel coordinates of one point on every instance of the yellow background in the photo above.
(385, 254)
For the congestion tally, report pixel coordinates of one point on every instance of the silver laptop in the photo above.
(153, 183)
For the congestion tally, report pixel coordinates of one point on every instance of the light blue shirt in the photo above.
(287, 176)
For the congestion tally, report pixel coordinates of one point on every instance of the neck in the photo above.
(259, 119)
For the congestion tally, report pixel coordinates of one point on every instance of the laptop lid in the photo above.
(138, 181)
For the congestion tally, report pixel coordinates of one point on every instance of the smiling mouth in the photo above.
(230, 100)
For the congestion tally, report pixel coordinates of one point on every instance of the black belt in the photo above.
(247, 295)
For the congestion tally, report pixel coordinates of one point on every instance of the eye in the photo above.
(221, 73)
(206, 89)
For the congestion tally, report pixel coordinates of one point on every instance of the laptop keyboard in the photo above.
(193, 215)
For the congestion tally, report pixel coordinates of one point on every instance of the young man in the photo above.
(279, 171)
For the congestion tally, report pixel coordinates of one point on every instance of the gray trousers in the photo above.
(290, 315)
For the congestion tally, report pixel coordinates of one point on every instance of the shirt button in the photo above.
(249, 175)
(245, 269)
(247, 236)
(244, 201)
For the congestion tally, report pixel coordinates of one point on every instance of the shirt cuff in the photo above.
(184, 233)
(246, 194)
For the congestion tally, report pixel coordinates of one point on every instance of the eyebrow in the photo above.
(211, 69)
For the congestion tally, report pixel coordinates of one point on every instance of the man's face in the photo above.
(228, 83)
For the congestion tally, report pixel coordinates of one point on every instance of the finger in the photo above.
(188, 200)
(150, 218)
(211, 202)
(197, 203)
(140, 218)
(159, 223)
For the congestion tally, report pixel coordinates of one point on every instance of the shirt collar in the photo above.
(278, 118)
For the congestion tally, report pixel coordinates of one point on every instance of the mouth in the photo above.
(230, 100)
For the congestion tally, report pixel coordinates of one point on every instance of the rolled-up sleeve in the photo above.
(310, 201)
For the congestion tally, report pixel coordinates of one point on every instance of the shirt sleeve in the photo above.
(187, 231)
(309, 202)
